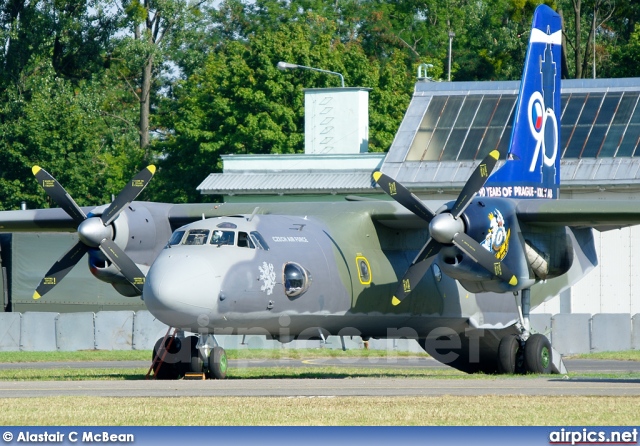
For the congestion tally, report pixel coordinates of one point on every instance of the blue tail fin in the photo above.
(532, 169)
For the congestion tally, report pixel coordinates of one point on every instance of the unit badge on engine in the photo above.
(497, 239)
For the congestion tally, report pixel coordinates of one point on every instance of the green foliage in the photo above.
(135, 12)
(239, 103)
(65, 128)
(625, 60)
(75, 77)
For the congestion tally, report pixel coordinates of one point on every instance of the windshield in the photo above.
(176, 237)
(220, 237)
(196, 237)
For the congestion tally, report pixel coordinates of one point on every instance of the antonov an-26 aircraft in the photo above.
(460, 277)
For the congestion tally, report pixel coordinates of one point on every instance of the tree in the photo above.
(587, 17)
(59, 107)
(238, 102)
(72, 35)
(625, 59)
(156, 28)
(61, 126)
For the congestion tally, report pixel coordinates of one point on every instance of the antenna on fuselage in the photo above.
(255, 211)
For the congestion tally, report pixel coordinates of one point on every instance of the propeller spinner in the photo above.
(445, 228)
(93, 232)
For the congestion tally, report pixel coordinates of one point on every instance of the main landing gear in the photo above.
(176, 356)
(526, 352)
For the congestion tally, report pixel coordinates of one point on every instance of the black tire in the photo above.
(509, 355)
(537, 354)
(166, 370)
(218, 363)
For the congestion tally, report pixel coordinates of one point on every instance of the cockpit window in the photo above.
(259, 241)
(176, 237)
(223, 237)
(244, 241)
(196, 237)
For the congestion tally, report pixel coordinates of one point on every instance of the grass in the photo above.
(145, 355)
(314, 369)
(628, 355)
(76, 356)
(334, 411)
(311, 372)
(244, 411)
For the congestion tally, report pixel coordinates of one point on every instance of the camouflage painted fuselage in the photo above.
(351, 255)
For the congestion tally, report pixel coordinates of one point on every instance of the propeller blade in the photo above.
(123, 262)
(60, 269)
(417, 270)
(475, 182)
(128, 194)
(57, 193)
(403, 196)
(484, 258)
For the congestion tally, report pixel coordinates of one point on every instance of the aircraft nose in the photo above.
(181, 290)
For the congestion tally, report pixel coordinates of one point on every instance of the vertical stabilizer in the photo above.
(532, 167)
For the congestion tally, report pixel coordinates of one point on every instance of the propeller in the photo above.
(93, 232)
(445, 228)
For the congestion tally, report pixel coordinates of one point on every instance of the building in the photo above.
(449, 127)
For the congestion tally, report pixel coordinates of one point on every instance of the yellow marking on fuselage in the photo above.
(361, 258)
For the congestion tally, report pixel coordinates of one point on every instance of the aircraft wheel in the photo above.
(537, 354)
(218, 363)
(166, 370)
(509, 355)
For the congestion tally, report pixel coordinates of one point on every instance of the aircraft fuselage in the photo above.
(307, 276)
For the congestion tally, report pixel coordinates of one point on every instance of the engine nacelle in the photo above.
(549, 250)
(533, 253)
(493, 222)
(141, 231)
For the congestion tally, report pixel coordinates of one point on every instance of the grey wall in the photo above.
(139, 330)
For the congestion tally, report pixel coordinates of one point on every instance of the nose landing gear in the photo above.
(175, 355)
(217, 364)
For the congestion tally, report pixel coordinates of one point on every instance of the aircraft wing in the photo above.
(39, 220)
(602, 215)
(398, 219)
(385, 212)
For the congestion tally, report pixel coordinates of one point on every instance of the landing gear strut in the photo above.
(526, 352)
